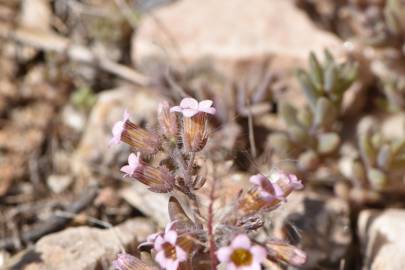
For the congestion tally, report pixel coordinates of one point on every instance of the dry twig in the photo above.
(54, 223)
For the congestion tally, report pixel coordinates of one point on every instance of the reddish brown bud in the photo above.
(194, 132)
(167, 120)
(280, 251)
(137, 137)
(157, 179)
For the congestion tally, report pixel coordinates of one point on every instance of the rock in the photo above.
(59, 183)
(201, 29)
(73, 118)
(393, 126)
(149, 203)
(382, 239)
(36, 15)
(234, 36)
(319, 224)
(84, 248)
(93, 153)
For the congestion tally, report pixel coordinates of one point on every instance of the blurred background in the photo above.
(314, 87)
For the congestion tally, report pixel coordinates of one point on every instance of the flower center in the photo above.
(241, 257)
(170, 251)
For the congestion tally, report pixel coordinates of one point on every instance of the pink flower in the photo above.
(133, 164)
(118, 128)
(241, 255)
(190, 107)
(268, 190)
(287, 181)
(169, 255)
(150, 239)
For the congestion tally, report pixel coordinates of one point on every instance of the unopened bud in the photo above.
(167, 120)
(194, 132)
(125, 261)
(279, 251)
(135, 136)
(157, 179)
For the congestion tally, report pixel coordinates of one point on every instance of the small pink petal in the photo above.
(171, 265)
(209, 110)
(267, 196)
(189, 112)
(259, 253)
(133, 160)
(205, 104)
(295, 182)
(127, 169)
(278, 191)
(189, 103)
(114, 140)
(231, 266)
(180, 254)
(241, 241)
(224, 254)
(176, 109)
(257, 179)
(253, 266)
(170, 226)
(171, 237)
(161, 258)
(158, 243)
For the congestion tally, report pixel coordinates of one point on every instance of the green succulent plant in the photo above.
(312, 131)
(387, 29)
(381, 161)
(394, 91)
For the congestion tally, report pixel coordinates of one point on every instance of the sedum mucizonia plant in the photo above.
(200, 238)
(394, 91)
(391, 32)
(381, 162)
(312, 131)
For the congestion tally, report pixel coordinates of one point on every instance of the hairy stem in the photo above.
(186, 172)
(211, 239)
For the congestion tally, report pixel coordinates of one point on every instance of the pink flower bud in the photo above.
(157, 179)
(194, 122)
(125, 261)
(280, 251)
(137, 137)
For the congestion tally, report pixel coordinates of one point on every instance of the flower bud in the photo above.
(167, 120)
(157, 179)
(268, 193)
(279, 251)
(194, 122)
(125, 261)
(135, 136)
(194, 132)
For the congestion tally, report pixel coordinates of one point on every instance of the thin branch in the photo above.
(53, 42)
(54, 223)
(251, 133)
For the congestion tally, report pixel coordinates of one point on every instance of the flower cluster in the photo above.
(197, 239)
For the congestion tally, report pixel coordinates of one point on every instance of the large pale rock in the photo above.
(382, 239)
(231, 31)
(320, 225)
(84, 248)
(93, 153)
(232, 35)
(151, 204)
